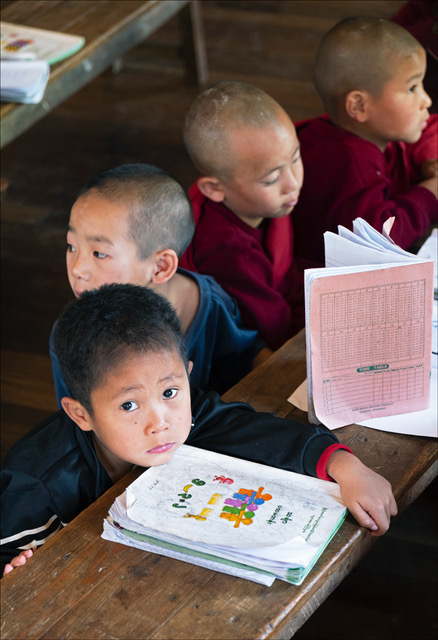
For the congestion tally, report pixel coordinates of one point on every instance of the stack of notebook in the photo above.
(26, 54)
(229, 515)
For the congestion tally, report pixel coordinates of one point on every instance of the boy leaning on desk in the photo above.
(122, 355)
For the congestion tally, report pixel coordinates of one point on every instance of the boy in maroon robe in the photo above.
(374, 155)
(247, 152)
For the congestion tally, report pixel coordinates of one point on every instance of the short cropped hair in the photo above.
(359, 53)
(160, 212)
(214, 113)
(103, 327)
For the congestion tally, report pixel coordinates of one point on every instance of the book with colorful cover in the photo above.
(19, 42)
(230, 515)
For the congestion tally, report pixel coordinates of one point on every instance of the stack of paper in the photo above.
(23, 81)
(230, 515)
(26, 53)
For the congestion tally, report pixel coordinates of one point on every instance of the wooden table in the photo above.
(81, 586)
(111, 28)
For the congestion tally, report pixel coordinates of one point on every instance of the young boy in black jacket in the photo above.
(122, 355)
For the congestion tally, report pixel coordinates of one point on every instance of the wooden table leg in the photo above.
(193, 42)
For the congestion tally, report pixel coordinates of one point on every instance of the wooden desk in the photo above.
(111, 28)
(80, 586)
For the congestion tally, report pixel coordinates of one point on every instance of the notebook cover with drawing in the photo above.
(28, 43)
(229, 515)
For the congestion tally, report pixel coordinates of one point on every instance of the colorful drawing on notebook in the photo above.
(16, 45)
(223, 480)
(242, 507)
(239, 509)
(185, 495)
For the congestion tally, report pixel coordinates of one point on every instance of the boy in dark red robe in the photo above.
(247, 152)
(374, 155)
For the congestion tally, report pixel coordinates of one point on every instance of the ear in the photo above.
(189, 366)
(77, 413)
(356, 105)
(211, 188)
(166, 264)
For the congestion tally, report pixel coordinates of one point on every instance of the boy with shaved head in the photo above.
(130, 224)
(374, 155)
(247, 152)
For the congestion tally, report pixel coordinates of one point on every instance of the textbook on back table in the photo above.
(26, 56)
(230, 515)
(20, 42)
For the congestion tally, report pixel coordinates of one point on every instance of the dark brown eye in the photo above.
(129, 406)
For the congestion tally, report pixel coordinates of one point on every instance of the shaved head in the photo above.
(212, 117)
(160, 212)
(359, 54)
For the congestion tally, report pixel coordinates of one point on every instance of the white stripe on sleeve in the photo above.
(29, 532)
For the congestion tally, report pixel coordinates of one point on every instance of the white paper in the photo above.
(429, 250)
(148, 501)
(23, 81)
(113, 534)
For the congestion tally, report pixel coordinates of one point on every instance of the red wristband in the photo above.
(322, 462)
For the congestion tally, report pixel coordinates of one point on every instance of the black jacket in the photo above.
(53, 473)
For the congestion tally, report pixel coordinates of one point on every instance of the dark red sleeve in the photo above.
(359, 181)
(427, 146)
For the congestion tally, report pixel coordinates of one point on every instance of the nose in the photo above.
(155, 423)
(78, 265)
(291, 184)
(426, 102)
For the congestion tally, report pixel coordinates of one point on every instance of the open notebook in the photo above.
(368, 329)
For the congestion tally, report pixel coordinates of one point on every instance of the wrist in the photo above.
(341, 464)
(326, 460)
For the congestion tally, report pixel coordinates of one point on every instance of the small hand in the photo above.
(429, 168)
(367, 495)
(18, 561)
(429, 172)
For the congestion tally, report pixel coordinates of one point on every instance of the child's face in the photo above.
(142, 410)
(99, 249)
(269, 173)
(401, 111)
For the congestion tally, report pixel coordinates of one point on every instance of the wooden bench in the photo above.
(111, 28)
(80, 586)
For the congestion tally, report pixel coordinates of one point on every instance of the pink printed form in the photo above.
(371, 335)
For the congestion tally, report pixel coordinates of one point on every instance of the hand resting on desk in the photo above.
(367, 495)
(18, 561)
